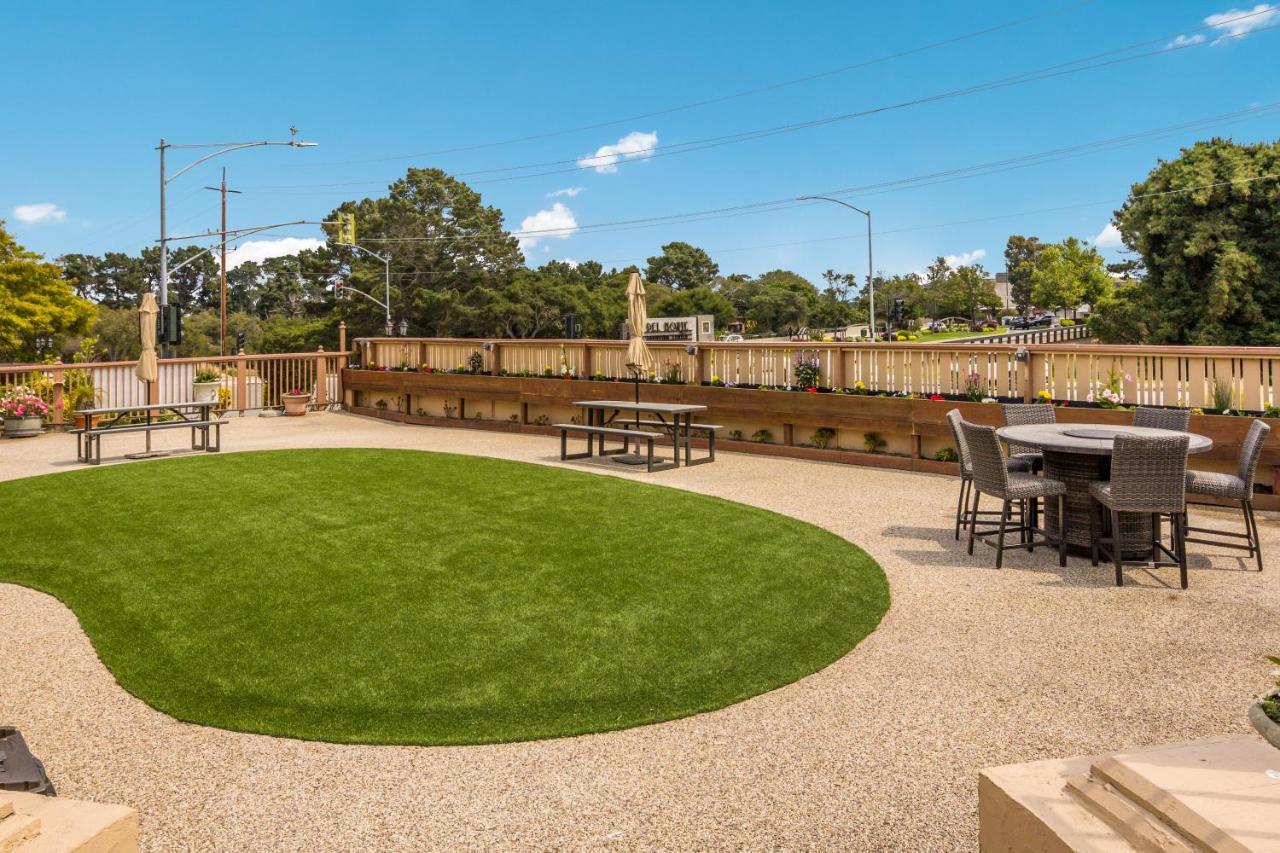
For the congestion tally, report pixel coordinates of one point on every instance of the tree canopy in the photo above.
(35, 301)
(1204, 225)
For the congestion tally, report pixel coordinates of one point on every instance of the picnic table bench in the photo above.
(667, 420)
(198, 417)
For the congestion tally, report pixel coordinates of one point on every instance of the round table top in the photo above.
(1091, 439)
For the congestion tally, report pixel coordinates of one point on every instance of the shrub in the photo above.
(735, 435)
(947, 454)
(1223, 396)
(476, 362)
(822, 437)
(1066, 321)
(807, 371)
(762, 436)
(207, 374)
(873, 442)
(1271, 411)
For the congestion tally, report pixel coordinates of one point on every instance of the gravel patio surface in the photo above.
(971, 667)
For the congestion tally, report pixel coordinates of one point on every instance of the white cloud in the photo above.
(259, 250)
(39, 214)
(1233, 24)
(634, 144)
(570, 192)
(1109, 237)
(557, 222)
(963, 260)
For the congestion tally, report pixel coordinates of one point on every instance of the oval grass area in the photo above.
(387, 596)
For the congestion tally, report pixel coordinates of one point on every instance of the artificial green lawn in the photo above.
(406, 597)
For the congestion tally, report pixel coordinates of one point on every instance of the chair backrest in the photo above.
(989, 472)
(1249, 453)
(1020, 414)
(1176, 419)
(954, 420)
(1149, 473)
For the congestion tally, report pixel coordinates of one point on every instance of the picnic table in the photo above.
(197, 416)
(622, 419)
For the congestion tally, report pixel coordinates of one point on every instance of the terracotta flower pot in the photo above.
(1265, 726)
(77, 419)
(295, 405)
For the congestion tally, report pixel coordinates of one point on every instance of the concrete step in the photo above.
(1143, 830)
(16, 830)
(1220, 794)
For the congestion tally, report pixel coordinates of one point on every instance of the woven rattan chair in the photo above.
(1148, 476)
(963, 511)
(1175, 419)
(991, 476)
(1021, 414)
(1237, 488)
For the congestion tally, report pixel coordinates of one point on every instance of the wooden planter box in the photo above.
(798, 412)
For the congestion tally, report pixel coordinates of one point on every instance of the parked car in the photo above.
(1043, 321)
(1017, 323)
(732, 339)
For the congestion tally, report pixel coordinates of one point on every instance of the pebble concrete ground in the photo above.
(880, 751)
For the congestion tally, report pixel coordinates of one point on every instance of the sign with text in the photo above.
(701, 327)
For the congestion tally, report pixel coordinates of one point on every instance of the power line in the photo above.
(1087, 63)
(912, 182)
(723, 98)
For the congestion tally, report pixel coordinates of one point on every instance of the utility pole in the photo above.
(222, 301)
(218, 149)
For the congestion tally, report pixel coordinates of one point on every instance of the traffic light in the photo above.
(239, 342)
(340, 289)
(347, 228)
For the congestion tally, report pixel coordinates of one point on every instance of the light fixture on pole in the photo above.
(219, 148)
(404, 328)
(871, 287)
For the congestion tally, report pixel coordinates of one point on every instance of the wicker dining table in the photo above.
(1080, 454)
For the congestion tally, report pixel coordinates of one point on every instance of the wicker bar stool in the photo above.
(1148, 476)
(963, 512)
(1020, 414)
(1238, 488)
(991, 476)
(1175, 419)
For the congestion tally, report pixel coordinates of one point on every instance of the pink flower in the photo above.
(1089, 398)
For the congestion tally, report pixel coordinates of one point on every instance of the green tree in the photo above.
(682, 266)
(1020, 257)
(1069, 274)
(968, 290)
(35, 300)
(117, 332)
(1122, 316)
(444, 242)
(1205, 228)
(693, 301)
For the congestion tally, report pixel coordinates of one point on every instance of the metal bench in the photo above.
(627, 436)
(89, 440)
(709, 429)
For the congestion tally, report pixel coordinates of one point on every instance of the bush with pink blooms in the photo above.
(20, 402)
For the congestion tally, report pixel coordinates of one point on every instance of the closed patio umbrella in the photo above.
(639, 359)
(147, 370)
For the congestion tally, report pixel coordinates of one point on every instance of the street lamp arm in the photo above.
(372, 299)
(834, 200)
(227, 148)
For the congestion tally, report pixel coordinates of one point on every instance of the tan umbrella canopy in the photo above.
(147, 370)
(639, 359)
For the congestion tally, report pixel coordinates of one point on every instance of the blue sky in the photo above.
(92, 87)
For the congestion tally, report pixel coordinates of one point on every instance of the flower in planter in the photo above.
(937, 398)
(1043, 396)
(811, 390)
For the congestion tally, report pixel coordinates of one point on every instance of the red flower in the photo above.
(936, 397)
(812, 389)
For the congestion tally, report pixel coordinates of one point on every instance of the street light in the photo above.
(871, 287)
(404, 328)
(219, 148)
(386, 267)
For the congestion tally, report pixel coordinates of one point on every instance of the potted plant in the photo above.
(295, 402)
(23, 412)
(1265, 713)
(204, 384)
